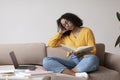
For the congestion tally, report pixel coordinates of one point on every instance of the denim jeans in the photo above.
(87, 63)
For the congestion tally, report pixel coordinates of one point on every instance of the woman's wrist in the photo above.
(60, 32)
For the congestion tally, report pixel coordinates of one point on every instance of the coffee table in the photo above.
(12, 76)
(43, 77)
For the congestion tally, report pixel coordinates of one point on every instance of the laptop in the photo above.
(17, 66)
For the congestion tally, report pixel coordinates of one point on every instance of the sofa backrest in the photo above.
(33, 53)
(26, 53)
(61, 53)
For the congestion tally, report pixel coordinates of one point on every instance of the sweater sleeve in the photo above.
(55, 41)
(91, 41)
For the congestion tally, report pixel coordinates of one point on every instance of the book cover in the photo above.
(79, 49)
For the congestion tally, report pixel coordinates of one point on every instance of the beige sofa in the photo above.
(33, 53)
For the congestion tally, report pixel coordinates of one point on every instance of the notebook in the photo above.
(33, 73)
(17, 66)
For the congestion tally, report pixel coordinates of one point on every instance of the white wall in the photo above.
(25, 21)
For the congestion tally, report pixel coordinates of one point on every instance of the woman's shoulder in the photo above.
(86, 28)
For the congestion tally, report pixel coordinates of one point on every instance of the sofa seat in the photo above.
(104, 74)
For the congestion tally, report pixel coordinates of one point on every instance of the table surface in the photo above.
(12, 76)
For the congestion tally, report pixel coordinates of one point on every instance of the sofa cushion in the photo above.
(67, 77)
(112, 61)
(26, 53)
(104, 74)
(100, 52)
(56, 52)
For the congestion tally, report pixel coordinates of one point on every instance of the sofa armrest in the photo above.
(112, 61)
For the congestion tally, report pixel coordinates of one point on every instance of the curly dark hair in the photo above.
(74, 19)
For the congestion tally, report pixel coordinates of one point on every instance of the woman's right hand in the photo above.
(62, 30)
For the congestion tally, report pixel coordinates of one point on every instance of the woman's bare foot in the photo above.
(68, 71)
(74, 69)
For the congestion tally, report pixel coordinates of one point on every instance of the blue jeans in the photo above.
(87, 63)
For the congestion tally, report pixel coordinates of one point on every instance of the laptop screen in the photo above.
(14, 59)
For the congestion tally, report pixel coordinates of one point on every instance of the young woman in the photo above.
(72, 33)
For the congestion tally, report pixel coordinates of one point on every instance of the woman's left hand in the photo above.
(78, 54)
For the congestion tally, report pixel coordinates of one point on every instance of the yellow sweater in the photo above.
(85, 38)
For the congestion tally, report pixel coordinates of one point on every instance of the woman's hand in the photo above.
(62, 30)
(78, 54)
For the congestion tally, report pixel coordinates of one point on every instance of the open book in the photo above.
(79, 49)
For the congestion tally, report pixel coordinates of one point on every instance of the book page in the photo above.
(68, 48)
(84, 49)
(78, 50)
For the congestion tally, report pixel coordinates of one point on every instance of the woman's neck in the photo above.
(76, 30)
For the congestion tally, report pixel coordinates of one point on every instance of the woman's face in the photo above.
(67, 24)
